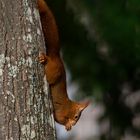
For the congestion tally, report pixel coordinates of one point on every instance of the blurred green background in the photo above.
(100, 42)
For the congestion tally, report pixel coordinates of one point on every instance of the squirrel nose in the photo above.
(68, 127)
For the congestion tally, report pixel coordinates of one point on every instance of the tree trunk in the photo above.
(25, 105)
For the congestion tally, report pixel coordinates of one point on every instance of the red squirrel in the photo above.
(66, 111)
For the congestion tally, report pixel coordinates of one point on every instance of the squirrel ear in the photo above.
(83, 105)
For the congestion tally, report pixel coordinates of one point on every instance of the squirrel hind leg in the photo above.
(52, 69)
(53, 73)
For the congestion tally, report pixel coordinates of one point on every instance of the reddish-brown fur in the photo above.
(66, 111)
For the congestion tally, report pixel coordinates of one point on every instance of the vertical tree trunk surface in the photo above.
(25, 106)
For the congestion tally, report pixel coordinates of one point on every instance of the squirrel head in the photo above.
(70, 113)
(74, 114)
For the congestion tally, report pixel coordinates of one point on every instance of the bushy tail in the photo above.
(49, 29)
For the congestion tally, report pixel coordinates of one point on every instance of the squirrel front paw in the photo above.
(42, 58)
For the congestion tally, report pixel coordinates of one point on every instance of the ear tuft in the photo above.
(84, 104)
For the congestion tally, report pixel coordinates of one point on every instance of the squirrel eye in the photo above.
(76, 116)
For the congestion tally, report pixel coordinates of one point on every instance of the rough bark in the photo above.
(25, 105)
